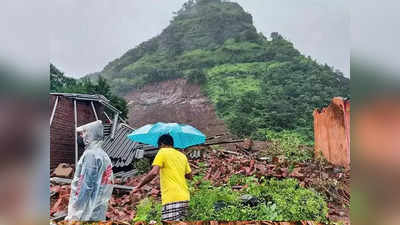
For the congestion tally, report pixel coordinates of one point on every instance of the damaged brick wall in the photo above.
(332, 132)
(62, 140)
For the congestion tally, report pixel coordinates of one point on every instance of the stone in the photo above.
(247, 144)
(218, 205)
(249, 200)
(63, 170)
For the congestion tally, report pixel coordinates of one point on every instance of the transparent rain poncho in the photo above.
(92, 185)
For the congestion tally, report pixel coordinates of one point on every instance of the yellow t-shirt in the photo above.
(173, 167)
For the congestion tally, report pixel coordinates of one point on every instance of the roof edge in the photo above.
(88, 97)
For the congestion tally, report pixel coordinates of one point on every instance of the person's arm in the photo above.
(157, 164)
(188, 171)
(149, 177)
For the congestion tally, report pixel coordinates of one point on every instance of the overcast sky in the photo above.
(88, 34)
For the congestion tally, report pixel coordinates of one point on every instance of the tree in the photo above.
(58, 81)
(276, 36)
(61, 83)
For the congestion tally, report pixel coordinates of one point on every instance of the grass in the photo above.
(294, 147)
(276, 200)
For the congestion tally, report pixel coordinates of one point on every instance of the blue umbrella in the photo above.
(184, 135)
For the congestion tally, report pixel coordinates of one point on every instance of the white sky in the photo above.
(86, 35)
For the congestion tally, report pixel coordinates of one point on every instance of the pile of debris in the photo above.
(59, 198)
(122, 203)
(223, 164)
(121, 208)
(59, 193)
(332, 181)
(218, 165)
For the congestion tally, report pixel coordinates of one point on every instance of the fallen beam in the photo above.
(194, 166)
(223, 142)
(59, 180)
(215, 136)
(230, 152)
(147, 151)
(58, 218)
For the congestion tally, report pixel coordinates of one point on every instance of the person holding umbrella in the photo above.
(171, 164)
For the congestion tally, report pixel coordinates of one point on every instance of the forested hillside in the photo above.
(61, 83)
(257, 83)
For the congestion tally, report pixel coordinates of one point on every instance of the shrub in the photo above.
(240, 179)
(293, 203)
(290, 144)
(147, 210)
(142, 165)
(277, 200)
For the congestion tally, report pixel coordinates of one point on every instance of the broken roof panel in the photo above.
(121, 150)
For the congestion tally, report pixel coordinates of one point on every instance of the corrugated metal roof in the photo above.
(126, 174)
(95, 97)
(86, 97)
(121, 150)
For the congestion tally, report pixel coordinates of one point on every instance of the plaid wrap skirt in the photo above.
(175, 211)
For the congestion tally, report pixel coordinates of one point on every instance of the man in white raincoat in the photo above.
(92, 185)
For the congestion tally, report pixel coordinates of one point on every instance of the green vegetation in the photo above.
(294, 147)
(273, 95)
(147, 210)
(276, 200)
(142, 165)
(255, 82)
(61, 83)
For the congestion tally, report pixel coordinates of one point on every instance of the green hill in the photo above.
(257, 83)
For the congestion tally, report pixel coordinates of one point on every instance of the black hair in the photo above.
(165, 139)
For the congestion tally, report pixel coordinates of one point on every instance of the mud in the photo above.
(174, 101)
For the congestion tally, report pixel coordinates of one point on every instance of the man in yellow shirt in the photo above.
(173, 167)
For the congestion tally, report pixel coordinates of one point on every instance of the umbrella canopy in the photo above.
(184, 135)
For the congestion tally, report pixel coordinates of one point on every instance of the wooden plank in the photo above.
(223, 142)
(54, 111)
(114, 127)
(76, 138)
(60, 180)
(229, 152)
(94, 110)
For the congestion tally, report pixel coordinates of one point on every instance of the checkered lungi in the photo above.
(175, 211)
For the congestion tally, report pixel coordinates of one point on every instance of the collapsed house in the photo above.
(217, 167)
(69, 111)
(235, 157)
(332, 131)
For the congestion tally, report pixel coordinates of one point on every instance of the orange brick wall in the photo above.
(332, 132)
